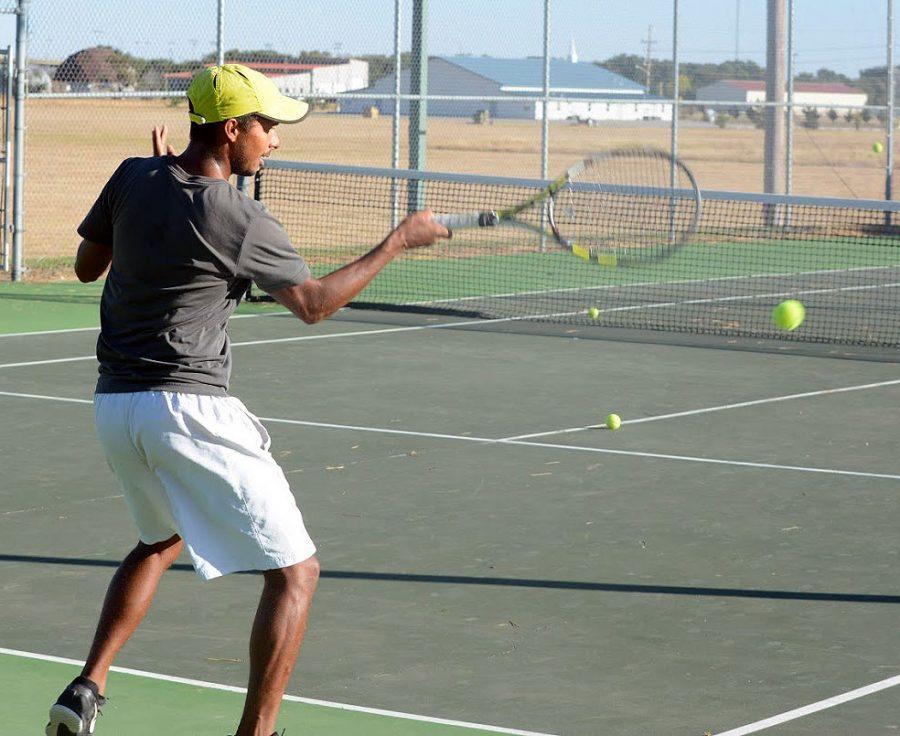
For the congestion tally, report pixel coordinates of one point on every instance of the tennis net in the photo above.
(841, 258)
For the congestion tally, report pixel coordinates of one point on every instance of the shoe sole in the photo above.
(66, 722)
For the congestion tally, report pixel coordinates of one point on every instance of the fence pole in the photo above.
(789, 110)
(418, 107)
(774, 171)
(545, 121)
(19, 193)
(395, 125)
(8, 92)
(220, 35)
(676, 90)
(889, 169)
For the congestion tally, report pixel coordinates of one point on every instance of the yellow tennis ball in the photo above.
(789, 315)
(593, 313)
(613, 421)
(877, 147)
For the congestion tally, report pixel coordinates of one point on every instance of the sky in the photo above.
(844, 35)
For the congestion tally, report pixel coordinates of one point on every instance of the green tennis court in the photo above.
(722, 564)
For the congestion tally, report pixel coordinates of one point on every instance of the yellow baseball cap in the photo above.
(223, 92)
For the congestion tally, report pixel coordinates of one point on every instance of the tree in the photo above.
(832, 115)
(755, 116)
(811, 118)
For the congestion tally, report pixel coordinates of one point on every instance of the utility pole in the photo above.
(647, 66)
(776, 78)
(737, 31)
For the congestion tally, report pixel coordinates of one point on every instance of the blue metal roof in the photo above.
(530, 73)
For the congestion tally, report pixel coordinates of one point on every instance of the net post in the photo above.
(395, 125)
(19, 193)
(891, 83)
(418, 105)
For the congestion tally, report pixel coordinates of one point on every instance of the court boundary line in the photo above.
(640, 284)
(290, 698)
(710, 409)
(97, 327)
(526, 443)
(300, 338)
(806, 710)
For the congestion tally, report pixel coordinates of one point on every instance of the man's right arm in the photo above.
(316, 299)
(92, 260)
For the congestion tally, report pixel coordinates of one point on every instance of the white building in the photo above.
(821, 95)
(591, 93)
(321, 79)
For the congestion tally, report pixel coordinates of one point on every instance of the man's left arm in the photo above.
(92, 260)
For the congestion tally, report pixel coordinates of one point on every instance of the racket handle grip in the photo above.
(471, 219)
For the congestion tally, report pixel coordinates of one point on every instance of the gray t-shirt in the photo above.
(185, 249)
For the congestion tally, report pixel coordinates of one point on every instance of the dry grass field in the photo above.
(74, 145)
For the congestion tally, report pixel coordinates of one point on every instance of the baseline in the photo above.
(806, 710)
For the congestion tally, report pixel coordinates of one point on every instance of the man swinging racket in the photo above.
(182, 245)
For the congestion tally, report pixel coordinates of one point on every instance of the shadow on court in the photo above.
(785, 595)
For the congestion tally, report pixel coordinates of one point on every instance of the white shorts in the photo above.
(199, 466)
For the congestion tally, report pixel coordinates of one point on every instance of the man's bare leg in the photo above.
(127, 600)
(275, 642)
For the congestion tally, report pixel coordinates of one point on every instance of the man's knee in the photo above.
(301, 578)
(166, 551)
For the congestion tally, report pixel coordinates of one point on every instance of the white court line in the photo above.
(97, 327)
(709, 409)
(290, 698)
(45, 398)
(525, 443)
(674, 282)
(813, 707)
(302, 338)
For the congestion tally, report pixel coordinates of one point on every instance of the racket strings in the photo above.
(626, 202)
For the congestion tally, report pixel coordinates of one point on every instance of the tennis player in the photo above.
(182, 245)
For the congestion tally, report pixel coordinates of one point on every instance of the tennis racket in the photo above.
(617, 207)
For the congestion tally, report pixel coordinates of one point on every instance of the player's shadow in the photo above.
(678, 590)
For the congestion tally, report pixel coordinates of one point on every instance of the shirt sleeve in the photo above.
(268, 257)
(97, 226)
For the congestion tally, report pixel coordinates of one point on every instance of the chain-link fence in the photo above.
(474, 82)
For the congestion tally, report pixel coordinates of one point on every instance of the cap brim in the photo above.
(285, 110)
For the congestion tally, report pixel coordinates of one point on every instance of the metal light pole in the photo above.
(220, 35)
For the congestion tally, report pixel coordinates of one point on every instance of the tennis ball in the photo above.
(593, 313)
(877, 147)
(613, 421)
(789, 314)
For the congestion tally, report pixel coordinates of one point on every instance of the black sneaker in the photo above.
(75, 711)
